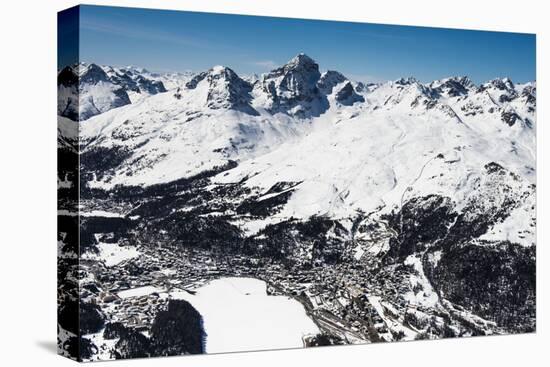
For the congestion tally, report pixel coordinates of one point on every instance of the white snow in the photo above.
(101, 213)
(98, 98)
(519, 227)
(139, 291)
(395, 325)
(92, 213)
(370, 155)
(112, 254)
(358, 252)
(105, 346)
(426, 296)
(240, 316)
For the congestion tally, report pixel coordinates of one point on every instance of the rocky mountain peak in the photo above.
(529, 92)
(454, 86)
(502, 84)
(195, 80)
(67, 77)
(217, 72)
(335, 82)
(406, 81)
(135, 79)
(67, 93)
(301, 73)
(93, 74)
(226, 90)
(302, 61)
(329, 80)
(223, 72)
(347, 94)
(502, 90)
(292, 84)
(297, 88)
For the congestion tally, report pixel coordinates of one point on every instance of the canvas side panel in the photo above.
(68, 340)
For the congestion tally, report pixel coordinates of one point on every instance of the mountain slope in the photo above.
(417, 198)
(87, 90)
(351, 157)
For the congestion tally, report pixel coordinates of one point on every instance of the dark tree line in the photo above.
(175, 331)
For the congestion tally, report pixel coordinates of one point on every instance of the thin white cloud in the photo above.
(265, 64)
(143, 34)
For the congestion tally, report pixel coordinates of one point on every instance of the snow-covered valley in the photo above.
(391, 211)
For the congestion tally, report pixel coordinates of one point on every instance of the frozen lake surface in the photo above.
(239, 316)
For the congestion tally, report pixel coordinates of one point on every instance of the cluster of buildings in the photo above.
(337, 297)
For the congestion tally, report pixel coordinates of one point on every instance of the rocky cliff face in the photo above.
(225, 90)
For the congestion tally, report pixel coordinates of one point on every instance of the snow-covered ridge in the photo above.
(233, 118)
(297, 88)
(86, 90)
(351, 147)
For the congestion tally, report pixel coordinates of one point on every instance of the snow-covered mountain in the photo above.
(423, 192)
(350, 150)
(86, 90)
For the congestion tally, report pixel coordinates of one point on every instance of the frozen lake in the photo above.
(240, 316)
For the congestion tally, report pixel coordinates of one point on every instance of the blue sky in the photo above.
(176, 41)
